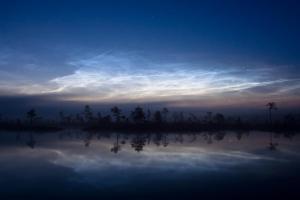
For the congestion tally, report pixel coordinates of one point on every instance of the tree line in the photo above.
(147, 120)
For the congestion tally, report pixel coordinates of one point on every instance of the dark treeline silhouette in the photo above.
(31, 122)
(148, 120)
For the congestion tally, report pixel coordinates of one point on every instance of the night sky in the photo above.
(181, 54)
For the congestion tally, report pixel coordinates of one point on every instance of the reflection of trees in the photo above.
(67, 133)
(87, 139)
(240, 133)
(31, 142)
(289, 134)
(138, 143)
(116, 147)
(193, 138)
(165, 140)
(98, 136)
(18, 136)
(272, 145)
(219, 135)
(148, 138)
(179, 138)
(157, 139)
(208, 137)
(124, 138)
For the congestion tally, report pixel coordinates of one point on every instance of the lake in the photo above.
(73, 164)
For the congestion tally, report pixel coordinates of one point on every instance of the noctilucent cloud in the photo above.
(183, 53)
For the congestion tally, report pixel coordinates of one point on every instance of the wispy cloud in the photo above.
(118, 77)
(128, 77)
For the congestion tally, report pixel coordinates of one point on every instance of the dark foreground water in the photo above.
(223, 165)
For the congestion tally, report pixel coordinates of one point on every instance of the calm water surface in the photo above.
(80, 165)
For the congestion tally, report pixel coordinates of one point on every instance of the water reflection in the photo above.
(76, 164)
(116, 146)
(139, 140)
(31, 141)
(273, 145)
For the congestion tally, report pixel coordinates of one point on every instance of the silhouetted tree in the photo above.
(148, 115)
(64, 118)
(61, 116)
(192, 117)
(219, 118)
(208, 118)
(116, 113)
(175, 117)
(88, 114)
(165, 113)
(157, 117)
(271, 106)
(239, 122)
(289, 120)
(99, 117)
(138, 115)
(31, 115)
(181, 117)
(107, 119)
(79, 118)
(68, 119)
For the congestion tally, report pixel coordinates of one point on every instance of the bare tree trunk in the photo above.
(270, 116)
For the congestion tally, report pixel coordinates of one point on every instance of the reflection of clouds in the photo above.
(185, 159)
(67, 158)
(187, 156)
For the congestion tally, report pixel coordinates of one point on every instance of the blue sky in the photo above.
(182, 53)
